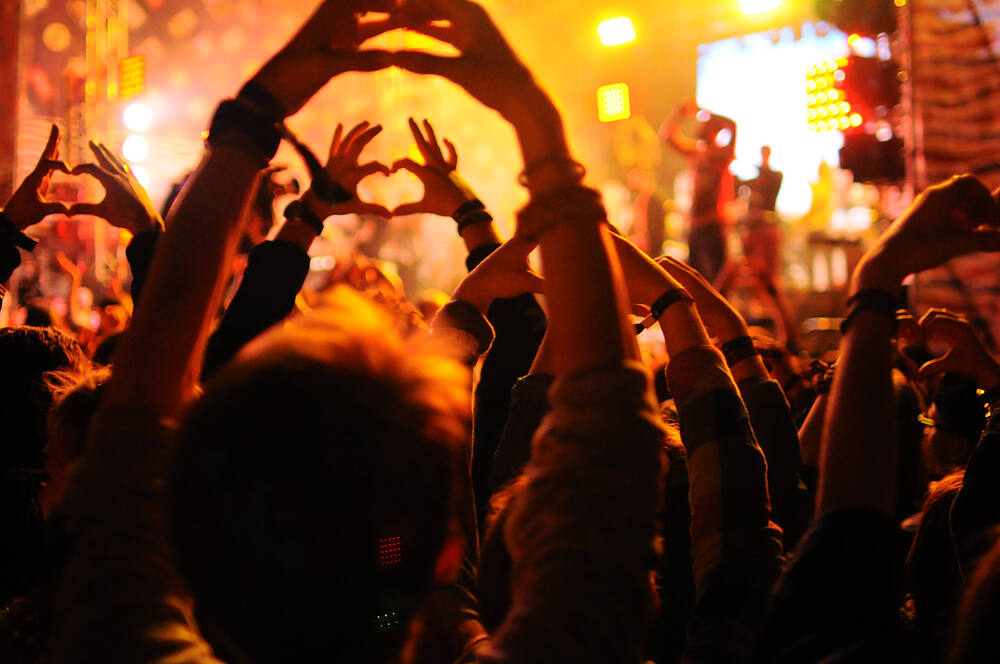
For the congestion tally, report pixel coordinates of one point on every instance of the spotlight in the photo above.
(616, 31)
(135, 148)
(137, 117)
(758, 6)
(613, 102)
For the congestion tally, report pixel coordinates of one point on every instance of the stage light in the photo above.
(883, 133)
(834, 109)
(811, 114)
(821, 125)
(821, 97)
(613, 102)
(141, 174)
(822, 112)
(135, 148)
(616, 31)
(856, 120)
(132, 75)
(811, 99)
(845, 108)
(810, 86)
(832, 95)
(137, 117)
(844, 123)
(758, 6)
(839, 75)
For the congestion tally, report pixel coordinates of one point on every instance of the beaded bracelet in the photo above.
(575, 204)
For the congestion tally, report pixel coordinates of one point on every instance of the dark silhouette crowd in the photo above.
(480, 480)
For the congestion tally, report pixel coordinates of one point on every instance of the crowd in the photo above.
(343, 485)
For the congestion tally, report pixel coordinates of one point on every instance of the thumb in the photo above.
(939, 366)
(409, 208)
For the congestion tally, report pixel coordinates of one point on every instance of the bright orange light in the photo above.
(616, 31)
(613, 102)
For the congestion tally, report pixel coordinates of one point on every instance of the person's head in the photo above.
(75, 396)
(26, 355)
(765, 156)
(954, 422)
(313, 487)
(933, 577)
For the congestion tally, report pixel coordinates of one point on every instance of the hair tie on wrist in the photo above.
(738, 349)
(574, 204)
(299, 210)
(656, 310)
(578, 172)
(10, 232)
(260, 133)
(871, 299)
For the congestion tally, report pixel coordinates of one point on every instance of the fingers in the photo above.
(409, 208)
(95, 209)
(361, 207)
(372, 167)
(425, 63)
(101, 157)
(422, 143)
(51, 207)
(408, 165)
(95, 171)
(943, 364)
(373, 28)
(363, 61)
(356, 130)
(359, 143)
(51, 150)
(335, 142)
(955, 329)
(452, 159)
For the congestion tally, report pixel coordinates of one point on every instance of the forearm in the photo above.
(858, 452)
(140, 253)
(158, 365)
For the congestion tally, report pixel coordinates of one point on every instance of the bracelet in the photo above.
(575, 204)
(660, 306)
(259, 133)
(871, 299)
(578, 171)
(10, 232)
(739, 349)
(299, 210)
(257, 95)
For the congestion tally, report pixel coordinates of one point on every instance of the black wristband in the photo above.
(259, 96)
(299, 210)
(668, 298)
(10, 232)
(738, 349)
(467, 207)
(472, 218)
(872, 299)
(234, 116)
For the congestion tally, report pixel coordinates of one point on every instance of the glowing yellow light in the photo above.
(812, 126)
(844, 123)
(833, 108)
(822, 112)
(616, 31)
(811, 114)
(842, 62)
(820, 69)
(810, 85)
(831, 65)
(811, 100)
(845, 108)
(899, 3)
(832, 95)
(613, 102)
(853, 38)
(821, 97)
(822, 83)
(821, 125)
(758, 6)
(855, 120)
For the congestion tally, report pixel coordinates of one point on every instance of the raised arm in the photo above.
(277, 269)
(843, 581)
(670, 131)
(601, 401)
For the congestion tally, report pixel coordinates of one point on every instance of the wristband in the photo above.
(257, 95)
(299, 210)
(466, 317)
(739, 349)
(660, 306)
(259, 132)
(10, 232)
(467, 207)
(473, 218)
(871, 299)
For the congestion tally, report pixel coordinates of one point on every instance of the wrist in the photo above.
(466, 293)
(875, 271)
